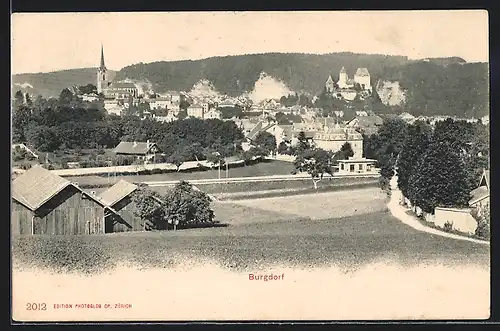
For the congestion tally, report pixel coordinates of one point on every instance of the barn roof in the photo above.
(37, 186)
(133, 147)
(117, 192)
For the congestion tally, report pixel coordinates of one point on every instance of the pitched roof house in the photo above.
(44, 203)
(119, 197)
(481, 194)
(138, 149)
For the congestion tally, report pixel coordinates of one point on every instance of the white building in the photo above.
(90, 97)
(362, 77)
(195, 111)
(160, 103)
(213, 114)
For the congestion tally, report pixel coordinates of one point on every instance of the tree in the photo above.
(303, 144)
(482, 215)
(188, 207)
(18, 99)
(87, 89)
(177, 158)
(439, 179)
(314, 161)
(346, 151)
(415, 144)
(283, 148)
(149, 208)
(65, 97)
(266, 142)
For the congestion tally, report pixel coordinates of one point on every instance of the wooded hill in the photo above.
(442, 86)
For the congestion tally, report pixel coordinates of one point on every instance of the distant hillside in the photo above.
(50, 84)
(237, 74)
(436, 86)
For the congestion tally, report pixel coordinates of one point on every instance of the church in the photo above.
(113, 90)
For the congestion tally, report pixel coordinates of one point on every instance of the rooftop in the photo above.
(119, 85)
(362, 72)
(133, 147)
(117, 192)
(37, 186)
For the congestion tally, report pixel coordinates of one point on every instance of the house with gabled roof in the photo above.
(45, 203)
(119, 197)
(480, 196)
(141, 150)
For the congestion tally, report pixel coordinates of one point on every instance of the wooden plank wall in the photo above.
(69, 212)
(126, 221)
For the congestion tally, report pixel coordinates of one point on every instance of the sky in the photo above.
(44, 42)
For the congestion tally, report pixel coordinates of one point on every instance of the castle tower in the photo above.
(102, 74)
(342, 78)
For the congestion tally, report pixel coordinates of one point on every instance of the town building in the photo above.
(141, 150)
(44, 203)
(356, 165)
(366, 125)
(196, 111)
(213, 114)
(332, 139)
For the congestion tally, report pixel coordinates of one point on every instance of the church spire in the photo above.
(102, 66)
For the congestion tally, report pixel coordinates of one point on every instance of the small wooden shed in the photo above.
(45, 203)
(119, 198)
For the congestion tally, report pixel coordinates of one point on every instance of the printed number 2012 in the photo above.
(36, 306)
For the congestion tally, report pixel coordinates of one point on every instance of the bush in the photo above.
(448, 226)
(483, 230)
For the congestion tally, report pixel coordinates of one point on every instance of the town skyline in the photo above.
(206, 34)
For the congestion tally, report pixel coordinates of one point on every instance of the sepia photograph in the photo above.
(250, 166)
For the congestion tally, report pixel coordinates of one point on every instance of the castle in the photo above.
(113, 90)
(361, 77)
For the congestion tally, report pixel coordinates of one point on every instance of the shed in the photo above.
(119, 197)
(44, 203)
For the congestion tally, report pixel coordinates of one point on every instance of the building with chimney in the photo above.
(140, 150)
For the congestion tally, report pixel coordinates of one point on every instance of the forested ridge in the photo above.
(441, 86)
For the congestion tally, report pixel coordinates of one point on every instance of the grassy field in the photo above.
(265, 168)
(319, 230)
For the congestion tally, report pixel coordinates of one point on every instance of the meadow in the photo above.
(263, 168)
(299, 231)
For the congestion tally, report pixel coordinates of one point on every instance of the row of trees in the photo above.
(435, 166)
(51, 125)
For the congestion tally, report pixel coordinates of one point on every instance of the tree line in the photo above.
(435, 166)
(49, 125)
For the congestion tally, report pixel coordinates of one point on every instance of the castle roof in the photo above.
(342, 71)
(329, 80)
(362, 72)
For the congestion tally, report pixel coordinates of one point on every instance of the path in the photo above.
(399, 212)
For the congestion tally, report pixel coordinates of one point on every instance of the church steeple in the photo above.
(102, 66)
(102, 76)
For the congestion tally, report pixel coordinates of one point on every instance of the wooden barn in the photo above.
(119, 198)
(44, 203)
